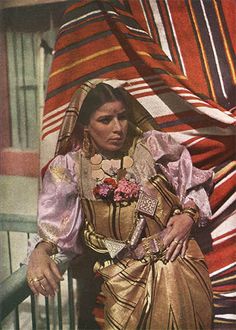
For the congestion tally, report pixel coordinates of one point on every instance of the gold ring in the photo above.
(177, 242)
(36, 279)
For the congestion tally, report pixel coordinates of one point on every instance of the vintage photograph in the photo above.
(117, 165)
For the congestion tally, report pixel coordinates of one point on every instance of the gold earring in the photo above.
(86, 144)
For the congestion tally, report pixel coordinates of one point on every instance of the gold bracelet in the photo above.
(52, 245)
(177, 212)
(193, 213)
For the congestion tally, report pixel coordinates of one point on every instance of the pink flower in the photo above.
(122, 191)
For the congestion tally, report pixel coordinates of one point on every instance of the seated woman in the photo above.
(131, 195)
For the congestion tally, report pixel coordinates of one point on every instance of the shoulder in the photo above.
(162, 144)
(64, 163)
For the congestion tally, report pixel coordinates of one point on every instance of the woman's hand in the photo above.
(176, 238)
(42, 272)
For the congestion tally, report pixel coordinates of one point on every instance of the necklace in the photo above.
(102, 168)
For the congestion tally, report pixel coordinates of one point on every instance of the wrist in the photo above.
(192, 212)
(48, 247)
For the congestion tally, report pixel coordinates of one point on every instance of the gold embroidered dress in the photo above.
(147, 294)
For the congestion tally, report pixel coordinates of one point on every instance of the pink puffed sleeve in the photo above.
(59, 207)
(175, 162)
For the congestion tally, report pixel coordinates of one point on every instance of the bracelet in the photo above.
(193, 213)
(177, 212)
(52, 245)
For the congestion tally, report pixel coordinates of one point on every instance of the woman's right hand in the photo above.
(42, 273)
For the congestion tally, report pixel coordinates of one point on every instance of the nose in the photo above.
(117, 125)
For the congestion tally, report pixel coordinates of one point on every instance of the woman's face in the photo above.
(108, 127)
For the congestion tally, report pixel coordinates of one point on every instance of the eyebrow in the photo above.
(109, 116)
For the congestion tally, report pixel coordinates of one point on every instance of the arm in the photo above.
(59, 222)
(191, 186)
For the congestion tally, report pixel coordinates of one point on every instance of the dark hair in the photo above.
(96, 97)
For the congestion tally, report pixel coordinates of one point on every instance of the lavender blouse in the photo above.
(60, 216)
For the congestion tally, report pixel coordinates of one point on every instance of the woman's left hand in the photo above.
(176, 239)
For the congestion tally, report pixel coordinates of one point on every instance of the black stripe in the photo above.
(80, 11)
(83, 42)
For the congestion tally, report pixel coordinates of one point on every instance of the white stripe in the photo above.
(214, 50)
(226, 316)
(228, 294)
(189, 94)
(223, 239)
(145, 85)
(80, 18)
(221, 270)
(215, 114)
(146, 90)
(198, 101)
(225, 227)
(145, 78)
(180, 88)
(230, 200)
(225, 179)
(62, 107)
(194, 142)
(176, 39)
(161, 30)
(208, 131)
(134, 29)
(47, 129)
(145, 16)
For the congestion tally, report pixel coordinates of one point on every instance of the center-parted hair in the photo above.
(96, 98)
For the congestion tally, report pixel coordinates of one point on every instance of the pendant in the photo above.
(127, 162)
(113, 247)
(96, 159)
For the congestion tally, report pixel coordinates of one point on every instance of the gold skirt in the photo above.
(159, 296)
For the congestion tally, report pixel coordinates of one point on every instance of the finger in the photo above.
(173, 250)
(39, 289)
(168, 239)
(56, 271)
(184, 248)
(47, 287)
(176, 252)
(52, 281)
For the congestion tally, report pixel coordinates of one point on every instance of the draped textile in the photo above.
(178, 57)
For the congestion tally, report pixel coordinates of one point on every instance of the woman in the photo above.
(132, 195)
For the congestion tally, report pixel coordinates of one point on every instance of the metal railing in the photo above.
(38, 312)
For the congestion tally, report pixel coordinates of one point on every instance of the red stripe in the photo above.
(225, 235)
(224, 189)
(53, 122)
(54, 115)
(194, 68)
(224, 254)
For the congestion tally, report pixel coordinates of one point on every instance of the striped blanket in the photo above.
(178, 56)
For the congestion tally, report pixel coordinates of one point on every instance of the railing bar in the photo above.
(59, 308)
(33, 312)
(71, 299)
(16, 316)
(9, 250)
(47, 313)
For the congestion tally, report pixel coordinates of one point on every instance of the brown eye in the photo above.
(105, 120)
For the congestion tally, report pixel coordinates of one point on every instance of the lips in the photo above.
(116, 140)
